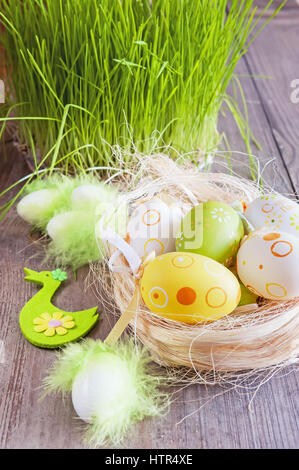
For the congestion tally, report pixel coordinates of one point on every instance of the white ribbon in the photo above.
(122, 247)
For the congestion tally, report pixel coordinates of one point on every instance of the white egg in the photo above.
(60, 224)
(153, 226)
(268, 264)
(274, 212)
(103, 388)
(34, 207)
(88, 194)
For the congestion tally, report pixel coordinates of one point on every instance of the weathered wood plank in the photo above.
(269, 158)
(27, 423)
(271, 111)
(225, 422)
(275, 54)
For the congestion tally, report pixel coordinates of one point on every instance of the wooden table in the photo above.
(225, 421)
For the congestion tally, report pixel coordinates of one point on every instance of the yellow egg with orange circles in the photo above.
(189, 287)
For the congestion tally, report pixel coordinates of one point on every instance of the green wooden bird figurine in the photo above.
(47, 326)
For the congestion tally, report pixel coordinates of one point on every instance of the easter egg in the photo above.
(91, 194)
(153, 227)
(104, 387)
(61, 224)
(212, 229)
(190, 288)
(35, 207)
(274, 212)
(268, 264)
(247, 297)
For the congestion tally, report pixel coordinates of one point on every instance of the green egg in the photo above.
(247, 297)
(212, 229)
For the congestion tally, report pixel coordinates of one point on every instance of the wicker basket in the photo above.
(252, 337)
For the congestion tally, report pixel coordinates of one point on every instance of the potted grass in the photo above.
(89, 76)
(113, 72)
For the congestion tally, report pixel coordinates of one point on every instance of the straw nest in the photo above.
(253, 337)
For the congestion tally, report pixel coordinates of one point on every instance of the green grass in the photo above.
(106, 72)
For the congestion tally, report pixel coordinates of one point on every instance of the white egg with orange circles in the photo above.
(268, 264)
(274, 212)
(153, 227)
(189, 287)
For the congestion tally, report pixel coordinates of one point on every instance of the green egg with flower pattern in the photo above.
(212, 229)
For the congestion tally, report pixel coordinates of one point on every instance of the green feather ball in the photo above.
(46, 197)
(68, 210)
(111, 387)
